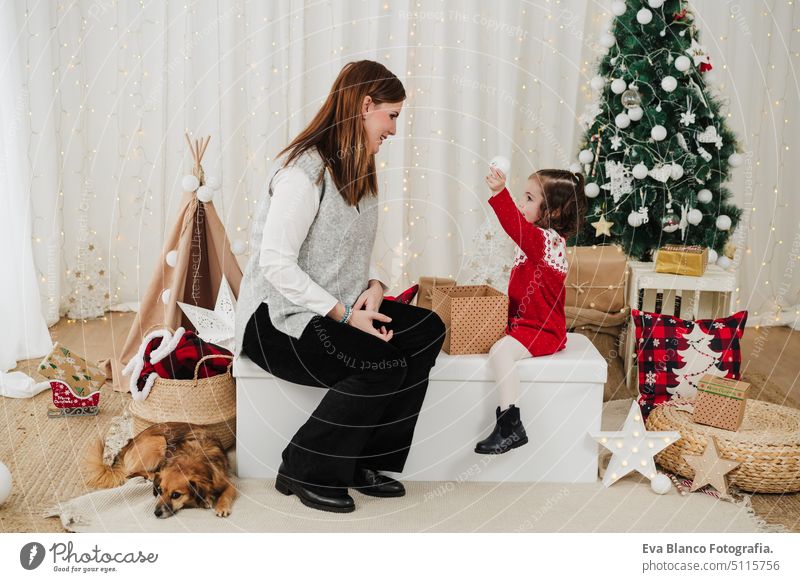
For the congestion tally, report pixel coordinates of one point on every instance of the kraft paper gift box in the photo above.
(475, 317)
(720, 402)
(681, 260)
(596, 278)
(426, 285)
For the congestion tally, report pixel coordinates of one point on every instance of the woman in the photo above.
(311, 307)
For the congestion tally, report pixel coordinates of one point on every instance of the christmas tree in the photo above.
(699, 359)
(90, 295)
(656, 151)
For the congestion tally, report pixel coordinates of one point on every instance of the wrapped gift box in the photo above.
(475, 316)
(596, 278)
(681, 260)
(426, 285)
(720, 402)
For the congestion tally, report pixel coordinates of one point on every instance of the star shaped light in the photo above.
(602, 226)
(216, 327)
(633, 447)
(710, 468)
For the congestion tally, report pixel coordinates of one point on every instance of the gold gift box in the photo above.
(681, 260)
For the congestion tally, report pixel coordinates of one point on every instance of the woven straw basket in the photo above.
(209, 402)
(767, 445)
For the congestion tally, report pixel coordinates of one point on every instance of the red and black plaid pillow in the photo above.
(673, 354)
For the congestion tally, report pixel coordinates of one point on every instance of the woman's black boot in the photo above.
(508, 433)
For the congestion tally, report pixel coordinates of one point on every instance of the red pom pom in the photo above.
(705, 67)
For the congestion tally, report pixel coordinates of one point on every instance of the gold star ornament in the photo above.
(602, 226)
(710, 468)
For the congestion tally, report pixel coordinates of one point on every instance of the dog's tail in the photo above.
(98, 474)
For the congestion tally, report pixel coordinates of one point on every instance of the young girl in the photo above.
(551, 211)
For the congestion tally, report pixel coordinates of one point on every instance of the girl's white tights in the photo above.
(503, 357)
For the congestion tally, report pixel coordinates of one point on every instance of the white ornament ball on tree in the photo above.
(607, 40)
(189, 183)
(592, 190)
(585, 157)
(213, 182)
(501, 163)
(682, 63)
(635, 113)
(644, 16)
(205, 194)
(5, 483)
(676, 172)
(723, 222)
(238, 247)
(735, 160)
(669, 83)
(658, 133)
(655, 3)
(694, 216)
(712, 256)
(618, 8)
(661, 484)
(598, 83)
(635, 219)
(618, 86)
(172, 258)
(640, 171)
(622, 120)
(723, 262)
(704, 196)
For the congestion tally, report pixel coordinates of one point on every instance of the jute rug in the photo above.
(627, 506)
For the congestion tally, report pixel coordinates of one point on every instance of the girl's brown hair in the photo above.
(564, 200)
(337, 130)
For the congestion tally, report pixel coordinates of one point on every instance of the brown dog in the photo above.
(187, 465)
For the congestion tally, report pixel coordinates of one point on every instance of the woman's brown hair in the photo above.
(337, 130)
(564, 199)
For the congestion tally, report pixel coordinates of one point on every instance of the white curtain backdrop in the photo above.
(24, 333)
(113, 85)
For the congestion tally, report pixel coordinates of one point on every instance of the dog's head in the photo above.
(180, 485)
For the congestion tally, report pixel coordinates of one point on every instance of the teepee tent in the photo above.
(195, 257)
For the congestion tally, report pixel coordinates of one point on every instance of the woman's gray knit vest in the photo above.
(336, 253)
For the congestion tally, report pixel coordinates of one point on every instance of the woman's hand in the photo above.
(370, 301)
(362, 319)
(496, 180)
(371, 298)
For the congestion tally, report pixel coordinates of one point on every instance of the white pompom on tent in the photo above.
(195, 257)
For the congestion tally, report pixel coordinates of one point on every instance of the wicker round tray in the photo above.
(767, 445)
(210, 402)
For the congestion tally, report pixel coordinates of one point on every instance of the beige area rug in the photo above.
(627, 506)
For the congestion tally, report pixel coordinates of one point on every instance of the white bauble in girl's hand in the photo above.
(190, 183)
(5, 483)
(501, 163)
(712, 256)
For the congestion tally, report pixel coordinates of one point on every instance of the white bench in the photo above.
(561, 402)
